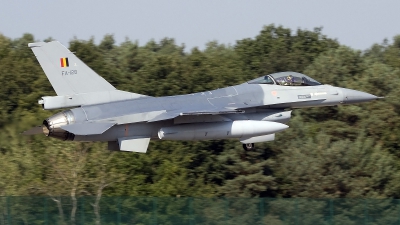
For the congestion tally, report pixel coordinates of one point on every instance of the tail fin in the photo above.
(67, 74)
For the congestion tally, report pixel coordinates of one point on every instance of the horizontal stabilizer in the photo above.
(33, 131)
(87, 128)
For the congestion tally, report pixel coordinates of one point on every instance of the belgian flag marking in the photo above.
(64, 62)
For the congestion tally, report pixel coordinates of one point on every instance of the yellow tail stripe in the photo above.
(64, 62)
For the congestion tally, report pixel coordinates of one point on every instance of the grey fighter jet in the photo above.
(251, 112)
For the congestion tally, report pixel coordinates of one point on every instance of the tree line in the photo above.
(344, 151)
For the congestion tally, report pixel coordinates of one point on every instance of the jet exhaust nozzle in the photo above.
(52, 126)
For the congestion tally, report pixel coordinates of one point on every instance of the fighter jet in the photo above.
(251, 112)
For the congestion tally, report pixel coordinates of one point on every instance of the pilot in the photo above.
(290, 80)
(281, 81)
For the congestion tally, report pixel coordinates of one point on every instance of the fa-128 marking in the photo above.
(70, 72)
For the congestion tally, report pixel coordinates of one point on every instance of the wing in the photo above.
(173, 114)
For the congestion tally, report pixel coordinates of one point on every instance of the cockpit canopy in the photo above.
(286, 79)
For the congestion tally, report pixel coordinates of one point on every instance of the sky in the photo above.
(355, 23)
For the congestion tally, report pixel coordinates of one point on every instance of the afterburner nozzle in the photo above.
(52, 126)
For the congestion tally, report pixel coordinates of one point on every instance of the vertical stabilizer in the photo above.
(67, 74)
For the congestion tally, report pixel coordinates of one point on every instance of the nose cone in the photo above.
(352, 96)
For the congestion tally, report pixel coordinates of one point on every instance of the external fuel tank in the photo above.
(220, 130)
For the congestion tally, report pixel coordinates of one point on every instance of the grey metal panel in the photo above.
(176, 114)
(79, 115)
(250, 95)
(138, 117)
(222, 97)
(91, 98)
(142, 129)
(353, 96)
(134, 144)
(274, 115)
(130, 107)
(87, 128)
(72, 79)
(193, 104)
(164, 116)
(201, 119)
(275, 94)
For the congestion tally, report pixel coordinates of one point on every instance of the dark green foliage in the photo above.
(277, 49)
(345, 151)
